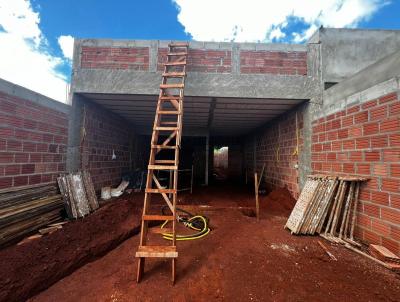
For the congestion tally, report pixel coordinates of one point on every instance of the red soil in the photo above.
(35, 265)
(240, 260)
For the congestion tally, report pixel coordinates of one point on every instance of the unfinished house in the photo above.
(257, 121)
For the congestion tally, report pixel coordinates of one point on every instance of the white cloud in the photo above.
(262, 20)
(24, 59)
(67, 46)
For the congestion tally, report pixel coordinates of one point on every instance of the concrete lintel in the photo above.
(197, 84)
(37, 98)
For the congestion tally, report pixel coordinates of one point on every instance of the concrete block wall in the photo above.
(33, 137)
(364, 140)
(204, 57)
(105, 133)
(274, 145)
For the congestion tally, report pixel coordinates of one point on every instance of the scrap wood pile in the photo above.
(327, 206)
(78, 194)
(23, 211)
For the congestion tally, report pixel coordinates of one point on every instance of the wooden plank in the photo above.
(256, 184)
(174, 74)
(166, 128)
(383, 254)
(89, 188)
(79, 194)
(172, 54)
(172, 86)
(165, 191)
(157, 251)
(175, 63)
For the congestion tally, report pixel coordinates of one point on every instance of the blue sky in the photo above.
(39, 33)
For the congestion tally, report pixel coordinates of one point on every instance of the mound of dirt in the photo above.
(278, 202)
(33, 266)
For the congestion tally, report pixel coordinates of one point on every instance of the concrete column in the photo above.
(74, 134)
(235, 58)
(207, 158)
(153, 56)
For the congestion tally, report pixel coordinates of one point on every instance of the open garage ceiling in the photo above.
(223, 116)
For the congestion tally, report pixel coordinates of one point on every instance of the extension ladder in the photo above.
(166, 139)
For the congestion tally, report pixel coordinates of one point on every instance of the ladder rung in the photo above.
(170, 97)
(163, 147)
(164, 161)
(184, 53)
(160, 191)
(157, 251)
(160, 231)
(162, 167)
(168, 112)
(174, 74)
(168, 86)
(158, 217)
(169, 123)
(175, 63)
(166, 128)
(179, 44)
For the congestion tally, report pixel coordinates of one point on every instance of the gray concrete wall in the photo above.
(345, 52)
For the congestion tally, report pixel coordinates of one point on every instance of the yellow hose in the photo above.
(206, 230)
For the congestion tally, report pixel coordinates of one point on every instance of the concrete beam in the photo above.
(197, 84)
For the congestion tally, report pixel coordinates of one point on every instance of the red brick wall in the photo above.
(136, 58)
(33, 141)
(105, 132)
(365, 140)
(202, 60)
(273, 62)
(275, 146)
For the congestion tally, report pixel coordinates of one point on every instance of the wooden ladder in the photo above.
(166, 139)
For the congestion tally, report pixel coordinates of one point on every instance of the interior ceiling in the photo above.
(223, 116)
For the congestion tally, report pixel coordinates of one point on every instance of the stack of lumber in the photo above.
(25, 210)
(78, 194)
(327, 206)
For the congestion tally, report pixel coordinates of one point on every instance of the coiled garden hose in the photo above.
(195, 222)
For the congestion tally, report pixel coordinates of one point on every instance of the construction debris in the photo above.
(327, 251)
(27, 210)
(78, 194)
(382, 253)
(327, 203)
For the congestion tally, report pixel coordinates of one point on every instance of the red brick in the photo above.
(371, 128)
(348, 168)
(394, 140)
(380, 198)
(369, 104)
(395, 233)
(355, 131)
(381, 141)
(20, 181)
(348, 144)
(380, 227)
(394, 109)
(371, 237)
(361, 117)
(391, 155)
(364, 221)
(390, 125)
(347, 121)
(391, 245)
(35, 179)
(372, 156)
(5, 182)
(363, 169)
(12, 170)
(362, 143)
(395, 201)
(28, 169)
(381, 169)
(378, 113)
(391, 185)
(395, 170)
(390, 215)
(343, 133)
(388, 98)
(371, 210)
(353, 109)
(355, 156)
(337, 146)
(6, 157)
(21, 157)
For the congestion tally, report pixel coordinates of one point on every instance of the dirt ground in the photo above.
(240, 260)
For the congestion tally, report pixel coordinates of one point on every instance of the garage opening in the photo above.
(221, 163)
